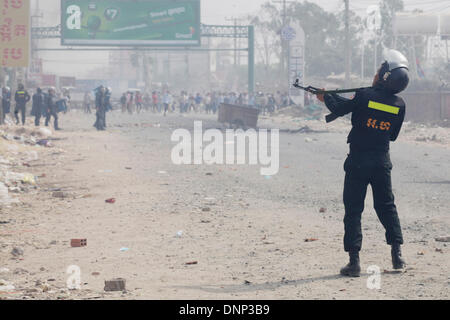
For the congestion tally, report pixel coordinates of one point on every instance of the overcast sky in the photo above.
(213, 12)
(217, 11)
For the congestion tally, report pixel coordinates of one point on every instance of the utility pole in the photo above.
(237, 55)
(284, 61)
(347, 43)
(283, 42)
(234, 19)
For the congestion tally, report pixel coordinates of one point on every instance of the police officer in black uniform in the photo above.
(52, 108)
(21, 97)
(37, 108)
(100, 105)
(6, 103)
(377, 117)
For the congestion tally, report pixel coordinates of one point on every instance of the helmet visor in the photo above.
(395, 59)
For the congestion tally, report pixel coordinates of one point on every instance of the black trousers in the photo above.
(100, 122)
(54, 114)
(37, 118)
(361, 170)
(22, 110)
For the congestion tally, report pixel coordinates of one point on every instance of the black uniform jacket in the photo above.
(377, 117)
(22, 97)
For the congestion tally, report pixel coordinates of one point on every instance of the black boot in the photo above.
(353, 269)
(397, 261)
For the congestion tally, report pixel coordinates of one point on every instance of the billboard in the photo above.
(130, 22)
(15, 33)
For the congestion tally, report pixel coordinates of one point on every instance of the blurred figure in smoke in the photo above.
(37, 107)
(155, 102)
(167, 101)
(270, 104)
(6, 103)
(198, 102)
(147, 101)
(108, 105)
(123, 102)
(66, 97)
(130, 100)
(87, 101)
(208, 106)
(21, 97)
(139, 102)
(182, 102)
(52, 108)
(100, 105)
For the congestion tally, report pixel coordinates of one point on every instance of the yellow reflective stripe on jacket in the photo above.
(383, 107)
(20, 92)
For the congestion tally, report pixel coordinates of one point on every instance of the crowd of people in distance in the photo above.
(166, 101)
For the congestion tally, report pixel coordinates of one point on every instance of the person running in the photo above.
(87, 101)
(123, 102)
(139, 102)
(167, 101)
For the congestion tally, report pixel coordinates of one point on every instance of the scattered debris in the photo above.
(111, 200)
(443, 239)
(60, 194)
(20, 271)
(311, 239)
(393, 271)
(17, 252)
(191, 263)
(78, 242)
(323, 210)
(6, 286)
(44, 143)
(115, 285)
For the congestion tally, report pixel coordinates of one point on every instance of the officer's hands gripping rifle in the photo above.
(317, 91)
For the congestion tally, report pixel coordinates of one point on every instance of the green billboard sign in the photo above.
(130, 22)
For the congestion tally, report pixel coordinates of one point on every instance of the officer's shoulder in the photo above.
(364, 92)
(399, 101)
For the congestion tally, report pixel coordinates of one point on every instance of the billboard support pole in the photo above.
(251, 59)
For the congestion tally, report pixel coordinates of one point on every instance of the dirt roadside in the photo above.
(196, 232)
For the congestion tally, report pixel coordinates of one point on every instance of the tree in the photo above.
(388, 9)
(325, 37)
(268, 43)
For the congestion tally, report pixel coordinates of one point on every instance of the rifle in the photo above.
(314, 90)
